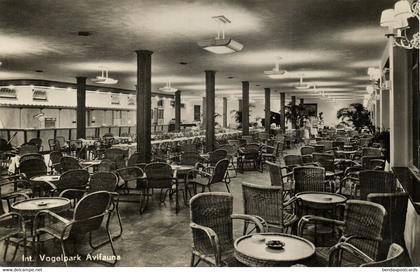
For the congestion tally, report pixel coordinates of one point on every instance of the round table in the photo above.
(47, 178)
(30, 207)
(90, 163)
(321, 200)
(252, 251)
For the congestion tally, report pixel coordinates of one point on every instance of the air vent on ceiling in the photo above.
(131, 100)
(115, 99)
(39, 95)
(8, 93)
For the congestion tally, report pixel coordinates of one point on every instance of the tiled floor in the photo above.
(159, 236)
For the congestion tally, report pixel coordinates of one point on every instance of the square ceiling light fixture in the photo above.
(221, 44)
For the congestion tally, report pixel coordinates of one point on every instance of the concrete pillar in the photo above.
(204, 107)
(267, 109)
(384, 110)
(225, 113)
(144, 104)
(283, 111)
(210, 109)
(81, 108)
(245, 108)
(293, 117)
(177, 111)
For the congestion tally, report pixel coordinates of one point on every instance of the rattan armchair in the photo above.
(216, 156)
(12, 188)
(209, 176)
(249, 154)
(87, 218)
(309, 178)
(71, 179)
(395, 257)
(106, 165)
(361, 227)
(33, 167)
(376, 181)
(307, 150)
(116, 155)
(272, 153)
(161, 176)
(28, 148)
(29, 156)
(100, 181)
(132, 178)
(268, 203)
(69, 163)
(55, 161)
(12, 230)
(371, 151)
(278, 179)
(37, 142)
(212, 230)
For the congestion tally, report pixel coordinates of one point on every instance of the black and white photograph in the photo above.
(188, 134)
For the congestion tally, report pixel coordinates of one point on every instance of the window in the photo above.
(197, 110)
(416, 110)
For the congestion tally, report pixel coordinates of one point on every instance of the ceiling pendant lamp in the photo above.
(301, 85)
(276, 73)
(104, 78)
(168, 88)
(221, 44)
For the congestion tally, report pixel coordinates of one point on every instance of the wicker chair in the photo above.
(362, 227)
(33, 167)
(395, 257)
(12, 230)
(189, 148)
(87, 218)
(216, 156)
(55, 161)
(106, 165)
(100, 181)
(273, 155)
(116, 155)
(71, 179)
(268, 203)
(250, 154)
(277, 177)
(29, 156)
(338, 145)
(132, 178)
(309, 178)
(69, 163)
(371, 151)
(292, 161)
(190, 158)
(12, 188)
(134, 159)
(212, 228)
(37, 142)
(319, 148)
(160, 176)
(232, 152)
(375, 181)
(395, 205)
(28, 149)
(327, 161)
(209, 176)
(54, 145)
(307, 150)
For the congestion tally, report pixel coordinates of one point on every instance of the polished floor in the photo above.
(158, 237)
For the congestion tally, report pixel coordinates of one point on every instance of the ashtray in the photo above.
(41, 204)
(328, 198)
(276, 244)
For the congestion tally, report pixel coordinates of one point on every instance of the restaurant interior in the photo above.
(272, 133)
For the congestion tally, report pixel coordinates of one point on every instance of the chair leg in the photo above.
(6, 243)
(144, 200)
(227, 187)
(64, 251)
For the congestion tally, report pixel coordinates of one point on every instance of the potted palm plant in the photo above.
(356, 115)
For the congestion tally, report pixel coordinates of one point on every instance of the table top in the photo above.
(252, 250)
(29, 207)
(48, 178)
(321, 198)
(90, 163)
(181, 168)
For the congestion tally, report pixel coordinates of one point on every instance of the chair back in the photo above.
(159, 175)
(61, 140)
(307, 150)
(216, 156)
(376, 181)
(102, 181)
(395, 258)
(28, 149)
(219, 172)
(290, 160)
(4, 145)
(189, 148)
(395, 205)
(54, 145)
(73, 179)
(264, 201)
(37, 142)
(276, 176)
(130, 175)
(55, 157)
(134, 159)
(328, 145)
(338, 145)
(69, 163)
(89, 213)
(30, 156)
(324, 160)
(106, 165)
(190, 158)
(365, 220)
(116, 155)
(212, 210)
(248, 139)
(371, 151)
(309, 178)
(33, 167)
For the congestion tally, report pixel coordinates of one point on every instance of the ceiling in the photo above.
(331, 42)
